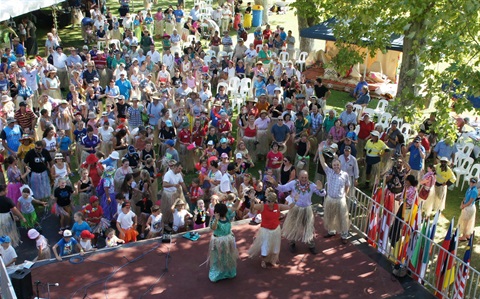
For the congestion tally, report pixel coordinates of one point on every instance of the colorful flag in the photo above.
(416, 255)
(374, 219)
(428, 247)
(462, 275)
(449, 276)
(442, 259)
(386, 221)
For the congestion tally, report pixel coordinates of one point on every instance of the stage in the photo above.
(150, 269)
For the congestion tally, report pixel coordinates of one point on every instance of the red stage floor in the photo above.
(338, 271)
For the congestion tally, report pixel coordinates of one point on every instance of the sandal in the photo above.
(263, 264)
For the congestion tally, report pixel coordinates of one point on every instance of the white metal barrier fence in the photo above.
(7, 291)
(391, 236)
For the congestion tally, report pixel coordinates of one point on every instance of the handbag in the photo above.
(423, 194)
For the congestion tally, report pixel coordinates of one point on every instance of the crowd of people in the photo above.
(141, 107)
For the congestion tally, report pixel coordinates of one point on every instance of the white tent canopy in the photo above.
(12, 9)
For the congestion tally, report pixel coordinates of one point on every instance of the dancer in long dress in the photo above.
(466, 221)
(223, 250)
(267, 241)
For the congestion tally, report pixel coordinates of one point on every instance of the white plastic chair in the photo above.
(209, 3)
(370, 112)
(230, 55)
(296, 53)
(273, 55)
(462, 169)
(381, 106)
(117, 43)
(302, 58)
(357, 129)
(238, 101)
(407, 131)
(384, 120)
(211, 53)
(357, 108)
(221, 54)
(474, 173)
(222, 84)
(207, 59)
(233, 85)
(466, 149)
(246, 84)
(284, 58)
(101, 44)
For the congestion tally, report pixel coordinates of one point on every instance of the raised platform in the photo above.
(138, 270)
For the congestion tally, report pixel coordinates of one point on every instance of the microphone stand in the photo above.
(37, 283)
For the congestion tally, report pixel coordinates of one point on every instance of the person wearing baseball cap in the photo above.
(86, 238)
(445, 178)
(466, 221)
(374, 149)
(66, 246)
(392, 134)
(417, 157)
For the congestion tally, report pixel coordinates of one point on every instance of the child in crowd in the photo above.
(25, 205)
(64, 143)
(86, 241)
(127, 223)
(181, 216)
(66, 246)
(84, 187)
(26, 144)
(80, 225)
(42, 245)
(8, 253)
(200, 215)
(112, 240)
(196, 193)
(154, 223)
(145, 206)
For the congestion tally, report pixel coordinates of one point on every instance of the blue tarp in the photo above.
(324, 31)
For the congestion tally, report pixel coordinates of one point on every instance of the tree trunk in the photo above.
(411, 66)
(306, 44)
(266, 6)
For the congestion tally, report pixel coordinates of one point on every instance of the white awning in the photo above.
(12, 9)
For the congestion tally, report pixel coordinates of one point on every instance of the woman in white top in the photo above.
(50, 141)
(53, 84)
(60, 170)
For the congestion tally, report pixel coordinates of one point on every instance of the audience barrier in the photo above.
(7, 291)
(413, 250)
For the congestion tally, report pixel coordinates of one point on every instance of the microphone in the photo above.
(54, 284)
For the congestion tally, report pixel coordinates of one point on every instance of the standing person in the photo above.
(374, 149)
(127, 223)
(7, 224)
(62, 198)
(223, 252)
(445, 178)
(336, 208)
(11, 135)
(349, 164)
(417, 157)
(468, 211)
(173, 189)
(39, 161)
(299, 224)
(267, 241)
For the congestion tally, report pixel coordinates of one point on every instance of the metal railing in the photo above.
(392, 238)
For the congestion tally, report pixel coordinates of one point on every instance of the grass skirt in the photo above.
(267, 244)
(31, 220)
(223, 258)
(336, 215)
(40, 184)
(467, 220)
(9, 228)
(168, 199)
(440, 197)
(299, 225)
(100, 227)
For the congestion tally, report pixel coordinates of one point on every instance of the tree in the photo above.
(308, 14)
(435, 33)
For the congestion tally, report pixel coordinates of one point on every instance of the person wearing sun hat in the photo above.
(60, 169)
(26, 144)
(11, 135)
(445, 178)
(41, 243)
(262, 124)
(66, 246)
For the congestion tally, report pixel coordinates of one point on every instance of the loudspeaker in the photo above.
(22, 283)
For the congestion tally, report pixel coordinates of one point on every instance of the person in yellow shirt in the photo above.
(445, 178)
(374, 149)
(26, 144)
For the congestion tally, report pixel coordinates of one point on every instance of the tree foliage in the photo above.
(441, 44)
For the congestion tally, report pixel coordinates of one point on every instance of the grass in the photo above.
(71, 37)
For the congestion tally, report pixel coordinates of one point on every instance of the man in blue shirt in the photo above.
(417, 157)
(280, 133)
(178, 13)
(444, 148)
(124, 85)
(358, 88)
(19, 49)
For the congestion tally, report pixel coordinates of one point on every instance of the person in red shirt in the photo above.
(268, 238)
(267, 33)
(366, 127)
(185, 138)
(425, 143)
(275, 160)
(93, 214)
(224, 125)
(94, 168)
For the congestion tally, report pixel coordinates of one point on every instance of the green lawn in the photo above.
(72, 37)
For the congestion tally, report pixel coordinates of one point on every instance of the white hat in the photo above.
(6, 98)
(67, 233)
(334, 145)
(238, 156)
(349, 104)
(375, 133)
(444, 159)
(210, 142)
(114, 155)
(278, 89)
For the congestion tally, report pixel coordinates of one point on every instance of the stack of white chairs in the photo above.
(233, 85)
(473, 173)
(462, 168)
(381, 107)
(407, 131)
(384, 120)
(301, 60)
(220, 84)
(284, 58)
